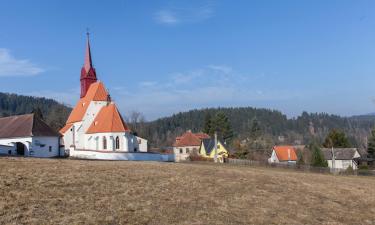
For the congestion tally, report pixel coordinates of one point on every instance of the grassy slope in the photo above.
(46, 191)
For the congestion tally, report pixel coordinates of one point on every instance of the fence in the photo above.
(303, 168)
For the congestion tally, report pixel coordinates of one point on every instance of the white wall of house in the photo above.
(134, 156)
(273, 158)
(34, 146)
(183, 153)
(342, 164)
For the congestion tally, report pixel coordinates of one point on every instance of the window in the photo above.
(117, 143)
(10, 152)
(104, 143)
(135, 149)
(187, 150)
(139, 141)
(181, 151)
(218, 146)
(50, 148)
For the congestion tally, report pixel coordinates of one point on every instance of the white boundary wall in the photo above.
(130, 156)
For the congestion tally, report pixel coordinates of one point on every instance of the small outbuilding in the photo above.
(341, 158)
(283, 155)
(28, 135)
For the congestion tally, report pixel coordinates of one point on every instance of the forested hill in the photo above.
(54, 113)
(274, 126)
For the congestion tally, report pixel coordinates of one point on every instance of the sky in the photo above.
(163, 57)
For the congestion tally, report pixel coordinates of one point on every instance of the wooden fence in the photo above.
(304, 168)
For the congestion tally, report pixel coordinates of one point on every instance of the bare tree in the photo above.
(136, 121)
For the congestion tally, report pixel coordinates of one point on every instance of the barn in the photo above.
(28, 135)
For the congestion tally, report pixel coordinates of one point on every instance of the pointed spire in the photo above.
(88, 61)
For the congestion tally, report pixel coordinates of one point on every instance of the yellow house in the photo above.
(207, 149)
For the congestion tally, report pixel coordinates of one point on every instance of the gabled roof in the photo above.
(96, 92)
(340, 153)
(25, 126)
(285, 153)
(209, 145)
(189, 139)
(108, 120)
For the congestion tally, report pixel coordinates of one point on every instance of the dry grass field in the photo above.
(62, 191)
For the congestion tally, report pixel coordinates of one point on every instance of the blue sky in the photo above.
(162, 57)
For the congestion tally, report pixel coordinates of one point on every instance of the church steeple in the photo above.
(88, 73)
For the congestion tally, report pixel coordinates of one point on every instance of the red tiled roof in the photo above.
(190, 139)
(108, 120)
(96, 92)
(285, 153)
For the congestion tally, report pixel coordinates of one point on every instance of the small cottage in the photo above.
(28, 135)
(283, 154)
(341, 158)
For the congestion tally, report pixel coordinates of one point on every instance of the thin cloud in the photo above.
(10, 66)
(209, 86)
(174, 15)
(166, 17)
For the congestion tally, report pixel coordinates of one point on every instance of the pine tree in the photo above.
(207, 123)
(317, 158)
(255, 130)
(371, 145)
(221, 125)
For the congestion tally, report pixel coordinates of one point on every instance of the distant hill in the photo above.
(301, 130)
(54, 113)
(162, 132)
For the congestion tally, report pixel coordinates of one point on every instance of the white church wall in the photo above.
(142, 144)
(113, 155)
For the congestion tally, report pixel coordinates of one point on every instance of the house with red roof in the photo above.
(95, 125)
(283, 154)
(188, 143)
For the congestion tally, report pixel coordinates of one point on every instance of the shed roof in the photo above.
(25, 126)
(340, 153)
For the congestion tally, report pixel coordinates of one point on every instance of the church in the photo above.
(95, 128)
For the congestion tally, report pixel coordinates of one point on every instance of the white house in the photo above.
(186, 144)
(28, 135)
(95, 128)
(341, 158)
(283, 155)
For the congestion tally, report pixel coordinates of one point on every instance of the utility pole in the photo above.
(215, 157)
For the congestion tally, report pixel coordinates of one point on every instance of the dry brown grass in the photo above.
(60, 191)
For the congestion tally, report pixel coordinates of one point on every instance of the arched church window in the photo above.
(117, 142)
(104, 143)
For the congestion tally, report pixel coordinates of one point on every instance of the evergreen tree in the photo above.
(255, 130)
(371, 145)
(221, 125)
(207, 123)
(336, 139)
(317, 158)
